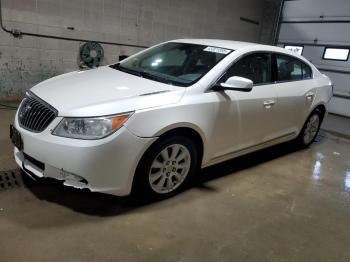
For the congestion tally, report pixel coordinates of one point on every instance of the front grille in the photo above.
(35, 114)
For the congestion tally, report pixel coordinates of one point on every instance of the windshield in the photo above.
(174, 63)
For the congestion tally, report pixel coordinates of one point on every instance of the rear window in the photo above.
(291, 69)
(288, 68)
(307, 73)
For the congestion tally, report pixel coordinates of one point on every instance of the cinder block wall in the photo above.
(28, 60)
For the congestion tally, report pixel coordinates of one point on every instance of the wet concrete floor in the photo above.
(274, 205)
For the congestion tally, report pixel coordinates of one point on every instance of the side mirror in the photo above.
(236, 83)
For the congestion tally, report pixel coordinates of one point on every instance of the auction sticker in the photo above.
(217, 50)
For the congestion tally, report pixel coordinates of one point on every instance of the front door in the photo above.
(250, 116)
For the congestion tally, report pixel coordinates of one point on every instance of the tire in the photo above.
(310, 129)
(166, 168)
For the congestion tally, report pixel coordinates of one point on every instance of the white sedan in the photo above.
(146, 124)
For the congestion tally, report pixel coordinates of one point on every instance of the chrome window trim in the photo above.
(270, 83)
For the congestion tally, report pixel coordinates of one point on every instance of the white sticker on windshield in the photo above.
(217, 50)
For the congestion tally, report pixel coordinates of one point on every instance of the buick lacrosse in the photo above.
(148, 123)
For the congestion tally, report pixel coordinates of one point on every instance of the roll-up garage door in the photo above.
(320, 31)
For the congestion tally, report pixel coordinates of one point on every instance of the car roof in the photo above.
(229, 44)
(238, 45)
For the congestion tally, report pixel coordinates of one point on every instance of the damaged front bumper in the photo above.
(105, 165)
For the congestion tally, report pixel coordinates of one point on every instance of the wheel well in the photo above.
(322, 109)
(182, 131)
(189, 133)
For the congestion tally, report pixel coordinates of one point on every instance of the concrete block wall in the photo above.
(28, 60)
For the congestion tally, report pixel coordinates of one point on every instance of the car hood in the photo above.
(104, 91)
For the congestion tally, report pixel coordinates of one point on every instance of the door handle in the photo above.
(309, 96)
(269, 103)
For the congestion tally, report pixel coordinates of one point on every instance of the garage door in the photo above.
(320, 31)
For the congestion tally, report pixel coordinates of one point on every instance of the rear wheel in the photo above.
(310, 129)
(166, 167)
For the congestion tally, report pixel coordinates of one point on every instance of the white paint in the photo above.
(230, 123)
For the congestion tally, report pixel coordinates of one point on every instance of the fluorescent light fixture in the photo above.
(295, 48)
(340, 54)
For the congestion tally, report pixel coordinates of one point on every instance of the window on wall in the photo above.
(255, 67)
(295, 48)
(339, 54)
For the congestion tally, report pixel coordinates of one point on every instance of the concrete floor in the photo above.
(337, 125)
(273, 205)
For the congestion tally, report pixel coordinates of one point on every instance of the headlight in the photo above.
(90, 127)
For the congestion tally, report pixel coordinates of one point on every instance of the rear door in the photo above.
(295, 92)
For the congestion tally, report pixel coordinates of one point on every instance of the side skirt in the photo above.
(250, 149)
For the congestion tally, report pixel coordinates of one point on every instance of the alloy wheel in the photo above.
(169, 168)
(311, 128)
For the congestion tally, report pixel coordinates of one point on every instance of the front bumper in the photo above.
(106, 165)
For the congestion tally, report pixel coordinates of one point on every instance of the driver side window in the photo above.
(256, 67)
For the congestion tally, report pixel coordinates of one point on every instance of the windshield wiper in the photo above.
(126, 70)
(149, 75)
(144, 74)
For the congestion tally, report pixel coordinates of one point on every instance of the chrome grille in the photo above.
(35, 114)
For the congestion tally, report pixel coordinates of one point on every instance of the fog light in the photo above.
(71, 177)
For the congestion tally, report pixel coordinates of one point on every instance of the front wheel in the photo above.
(166, 167)
(310, 129)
